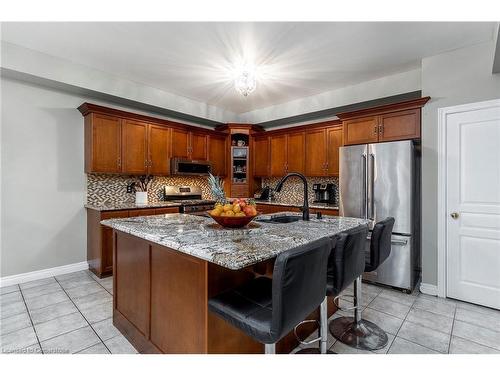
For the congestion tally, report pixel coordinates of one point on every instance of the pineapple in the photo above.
(217, 187)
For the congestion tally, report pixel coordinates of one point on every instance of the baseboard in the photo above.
(429, 289)
(42, 274)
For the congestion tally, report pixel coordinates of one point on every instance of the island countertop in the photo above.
(234, 249)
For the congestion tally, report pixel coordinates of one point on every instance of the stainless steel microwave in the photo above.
(186, 167)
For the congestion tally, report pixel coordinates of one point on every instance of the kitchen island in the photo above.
(165, 268)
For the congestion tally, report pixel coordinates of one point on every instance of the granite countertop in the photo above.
(201, 237)
(129, 206)
(311, 205)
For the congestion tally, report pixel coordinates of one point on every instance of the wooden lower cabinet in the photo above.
(273, 208)
(100, 237)
(160, 301)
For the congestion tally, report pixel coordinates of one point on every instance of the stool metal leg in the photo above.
(323, 332)
(270, 348)
(357, 332)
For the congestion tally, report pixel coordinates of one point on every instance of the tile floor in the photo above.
(73, 314)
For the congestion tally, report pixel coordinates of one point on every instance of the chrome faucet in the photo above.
(305, 207)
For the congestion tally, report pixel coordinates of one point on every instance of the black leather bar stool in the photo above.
(358, 332)
(267, 309)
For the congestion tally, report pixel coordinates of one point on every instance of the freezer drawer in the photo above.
(399, 269)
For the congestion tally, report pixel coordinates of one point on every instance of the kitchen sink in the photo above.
(280, 219)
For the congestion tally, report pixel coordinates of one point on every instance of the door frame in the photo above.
(443, 114)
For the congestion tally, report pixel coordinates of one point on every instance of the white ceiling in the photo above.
(295, 59)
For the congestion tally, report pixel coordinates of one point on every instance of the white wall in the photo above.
(457, 77)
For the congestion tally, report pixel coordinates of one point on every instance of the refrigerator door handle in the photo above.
(371, 215)
(365, 186)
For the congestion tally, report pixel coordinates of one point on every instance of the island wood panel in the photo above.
(399, 125)
(131, 270)
(278, 155)
(218, 155)
(180, 143)
(334, 142)
(159, 150)
(295, 152)
(134, 147)
(143, 212)
(103, 144)
(360, 130)
(178, 302)
(170, 301)
(261, 161)
(316, 153)
(166, 210)
(270, 209)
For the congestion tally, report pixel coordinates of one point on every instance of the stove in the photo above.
(189, 197)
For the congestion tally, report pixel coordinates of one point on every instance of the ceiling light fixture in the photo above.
(245, 80)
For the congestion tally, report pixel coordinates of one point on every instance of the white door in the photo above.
(473, 204)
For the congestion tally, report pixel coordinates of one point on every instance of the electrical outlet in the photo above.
(131, 188)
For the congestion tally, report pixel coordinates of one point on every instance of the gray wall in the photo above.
(453, 78)
(43, 184)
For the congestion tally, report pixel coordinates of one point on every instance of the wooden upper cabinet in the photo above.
(360, 130)
(180, 143)
(159, 150)
(278, 155)
(102, 143)
(134, 147)
(198, 146)
(334, 142)
(217, 154)
(316, 153)
(399, 125)
(295, 152)
(261, 156)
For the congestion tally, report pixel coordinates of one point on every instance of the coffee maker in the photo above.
(324, 193)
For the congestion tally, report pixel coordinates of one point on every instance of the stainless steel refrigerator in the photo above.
(380, 180)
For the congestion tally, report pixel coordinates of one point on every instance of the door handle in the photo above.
(454, 215)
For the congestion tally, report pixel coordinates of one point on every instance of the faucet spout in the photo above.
(305, 206)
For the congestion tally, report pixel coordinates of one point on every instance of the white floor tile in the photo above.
(424, 336)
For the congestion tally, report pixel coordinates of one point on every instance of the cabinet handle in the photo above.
(375, 130)
(119, 162)
(381, 129)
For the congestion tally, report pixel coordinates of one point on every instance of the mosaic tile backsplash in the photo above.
(292, 191)
(105, 189)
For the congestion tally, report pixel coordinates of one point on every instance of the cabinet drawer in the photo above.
(239, 191)
(166, 210)
(142, 212)
(113, 214)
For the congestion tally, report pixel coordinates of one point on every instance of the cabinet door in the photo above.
(104, 142)
(278, 155)
(134, 147)
(106, 263)
(159, 150)
(399, 125)
(361, 130)
(334, 140)
(180, 143)
(295, 152)
(198, 147)
(316, 153)
(261, 156)
(217, 154)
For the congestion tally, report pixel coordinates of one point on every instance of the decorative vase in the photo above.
(141, 197)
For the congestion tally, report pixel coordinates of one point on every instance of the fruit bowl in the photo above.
(232, 221)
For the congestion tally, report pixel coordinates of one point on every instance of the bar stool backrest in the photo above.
(347, 259)
(380, 245)
(299, 284)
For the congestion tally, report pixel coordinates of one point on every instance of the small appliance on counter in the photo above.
(324, 193)
(189, 197)
(264, 194)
